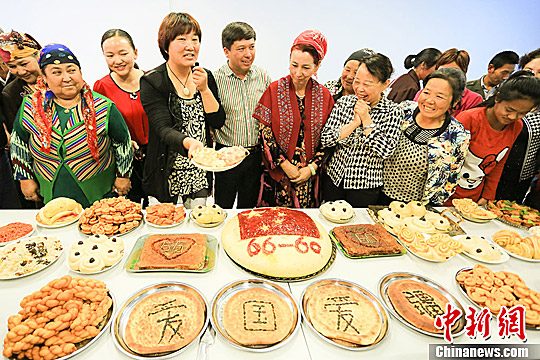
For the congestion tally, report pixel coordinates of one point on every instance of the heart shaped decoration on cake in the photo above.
(173, 248)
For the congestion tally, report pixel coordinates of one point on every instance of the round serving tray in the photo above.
(120, 322)
(464, 293)
(362, 291)
(500, 250)
(223, 296)
(291, 279)
(31, 233)
(383, 292)
(56, 226)
(122, 234)
(164, 226)
(210, 225)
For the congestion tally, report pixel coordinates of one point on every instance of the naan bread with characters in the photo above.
(277, 242)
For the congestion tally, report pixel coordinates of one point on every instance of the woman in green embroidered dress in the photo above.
(67, 140)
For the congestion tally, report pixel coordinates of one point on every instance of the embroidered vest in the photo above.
(70, 149)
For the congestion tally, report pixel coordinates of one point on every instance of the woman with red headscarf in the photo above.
(292, 113)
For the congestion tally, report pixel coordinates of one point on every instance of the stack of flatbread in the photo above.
(58, 211)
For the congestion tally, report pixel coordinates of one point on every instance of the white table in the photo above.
(400, 342)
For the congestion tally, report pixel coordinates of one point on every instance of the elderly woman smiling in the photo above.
(74, 142)
(432, 148)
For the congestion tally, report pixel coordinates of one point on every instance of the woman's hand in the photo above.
(304, 175)
(122, 186)
(362, 109)
(482, 202)
(290, 170)
(30, 190)
(200, 78)
(192, 145)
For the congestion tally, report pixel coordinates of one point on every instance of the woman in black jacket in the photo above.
(182, 104)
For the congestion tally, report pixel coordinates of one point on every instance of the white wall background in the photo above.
(394, 27)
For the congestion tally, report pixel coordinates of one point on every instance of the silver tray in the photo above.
(88, 343)
(362, 291)
(464, 293)
(223, 295)
(119, 325)
(383, 291)
(291, 279)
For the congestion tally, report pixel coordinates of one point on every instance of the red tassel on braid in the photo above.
(89, 114)
(42, 116)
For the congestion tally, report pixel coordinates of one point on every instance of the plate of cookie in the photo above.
(219, 160)
(164, 215)
(255, 315)
(344, 314)
(208, 216)
(484, 287)
(416, 216)
(338, 212)
(526, 248)
(58, 213)
(160, 321)
(471, 211)
(416, 302)
(58, 300)
(365, 240)
(29, 256)
(481, 249)
(111, 216)
(173, 252)
(15, 231)
(95, 254)
(433, 248)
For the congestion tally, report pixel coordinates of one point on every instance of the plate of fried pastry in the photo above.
(344, 314)
(365, 240)
(525, 248)
(494, 289)
(434, 248)
(173, 252)
(471, 211)
(416, 302)
(59, 212)
(111, 216)
(219, 160)
(160, 321)
(255, 315)
(77, 311)
(164, 215)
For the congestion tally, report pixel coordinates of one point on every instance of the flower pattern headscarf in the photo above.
(15, 45)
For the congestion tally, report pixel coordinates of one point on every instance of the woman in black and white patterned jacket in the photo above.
(364, 128)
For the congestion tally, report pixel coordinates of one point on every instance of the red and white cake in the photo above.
(277, 242)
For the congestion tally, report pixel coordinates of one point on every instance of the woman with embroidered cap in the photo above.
(122, 86)
(292, 113)
(182, 103)
(343, 85)
(20, 52)
(68, 141)
(364, 128)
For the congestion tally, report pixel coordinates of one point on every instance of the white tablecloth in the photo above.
(400, 343)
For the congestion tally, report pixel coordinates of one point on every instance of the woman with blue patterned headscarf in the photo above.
(67, 140)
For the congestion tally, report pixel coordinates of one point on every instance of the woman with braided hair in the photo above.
(67, 140)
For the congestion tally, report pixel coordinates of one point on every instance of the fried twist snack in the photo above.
(502, 288)
(111, 216)
(54, 319)
(165, 214)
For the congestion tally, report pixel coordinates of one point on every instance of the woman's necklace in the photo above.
(68, 105)
(185, 90)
